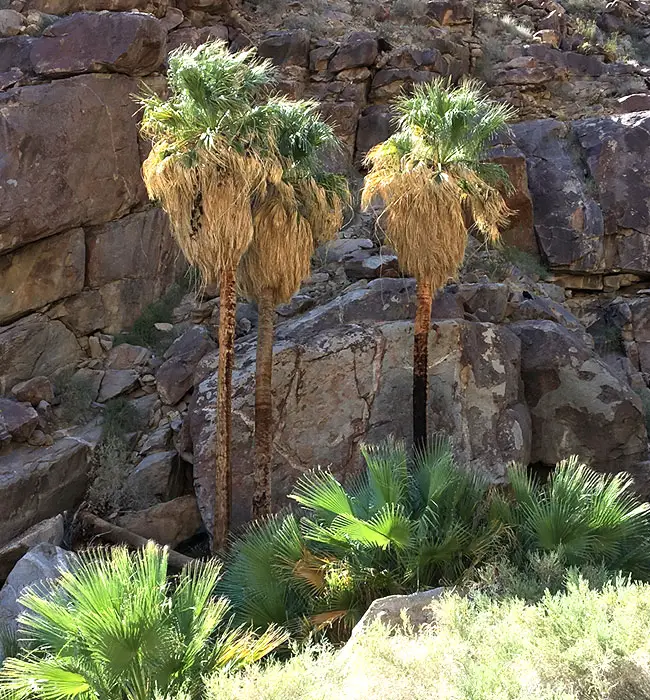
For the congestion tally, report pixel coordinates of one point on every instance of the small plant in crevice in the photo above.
(76, 393)
(144, 331)
(111, 460)
(607, 337)
(526, 262)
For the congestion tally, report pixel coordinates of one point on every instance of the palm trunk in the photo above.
(223, 485)
(263, 408)
(421, 363)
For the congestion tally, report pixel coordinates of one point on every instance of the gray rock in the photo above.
(20, 419)
(154, 479)
(49, 531)
(160, 439)
(41, 565)
(286, 47)
(577, 405)
(174, 377)
(11, 22)
(116, 382)
(167, 523)
(37, 483)
(340, 383)
(416, 609)
(339, 250)
(358, 50)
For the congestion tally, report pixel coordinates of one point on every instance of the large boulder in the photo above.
(70, 156)
(286, 47)
(34, 346)
(20, 419)
(50, 531)
(577, 405)
(39, 482)
(42, 564)
(65, 7)
(41, 273)
(617, 155)
(167, 523)
(338, 383)
(106, 42)
(568, 220)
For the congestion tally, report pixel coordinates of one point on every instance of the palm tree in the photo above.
(117, 628)
(298, 207)
(431, 178)
(205, 163)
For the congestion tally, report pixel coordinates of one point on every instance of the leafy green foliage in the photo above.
(116, 628)
(408, 524)
(585, 517)
(583, 643)
(143, 332)
(403, 525)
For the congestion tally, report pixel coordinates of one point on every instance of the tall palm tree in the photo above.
(432, 180)
(205, 163)
(298, 207)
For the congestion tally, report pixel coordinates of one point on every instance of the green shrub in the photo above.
(76, 393)
(121, 417)
(585, 517)
(582, 644)
(401, 527)
(410, 524)
(117, 628)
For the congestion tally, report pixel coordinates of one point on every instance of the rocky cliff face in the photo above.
(514, 372)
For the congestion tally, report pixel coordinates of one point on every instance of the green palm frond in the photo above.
(117, 627)
(388, 478)
(321, 492)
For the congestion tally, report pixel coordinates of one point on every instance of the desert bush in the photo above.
(117, 628)
(76, 394)
(579, 644)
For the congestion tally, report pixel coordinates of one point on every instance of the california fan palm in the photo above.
(203, 167)
(432, 180)
(116, 627)
(297, 207)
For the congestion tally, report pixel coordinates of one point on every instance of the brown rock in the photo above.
(41, 273)
(195, 36)
(639, 102)
(374, 126)
(451, 12)
(83, 313)
(34, 391)
(155, 479)
(166, 523)
(359, 49)
(35, 346)
(320, 56)
(520, 230)
(131, 43)
(175, 376)
(20, 419)
(11, 22)
(127, 356)
(65, 7)
(286, 47)
(135, 247)
(70, 156)
(577, 405)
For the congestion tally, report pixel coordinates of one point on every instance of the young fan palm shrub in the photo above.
(585, 517)
(206, 160)
(116, 628)
(401, 527)
(297, 207)
(432, 180)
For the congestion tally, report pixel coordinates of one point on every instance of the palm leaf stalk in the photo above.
(431, 178)
(205, 163)
(296, 208)
(117, 628)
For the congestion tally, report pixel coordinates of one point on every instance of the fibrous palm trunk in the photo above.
(263, 407)
(223, 483)
(421, 363)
